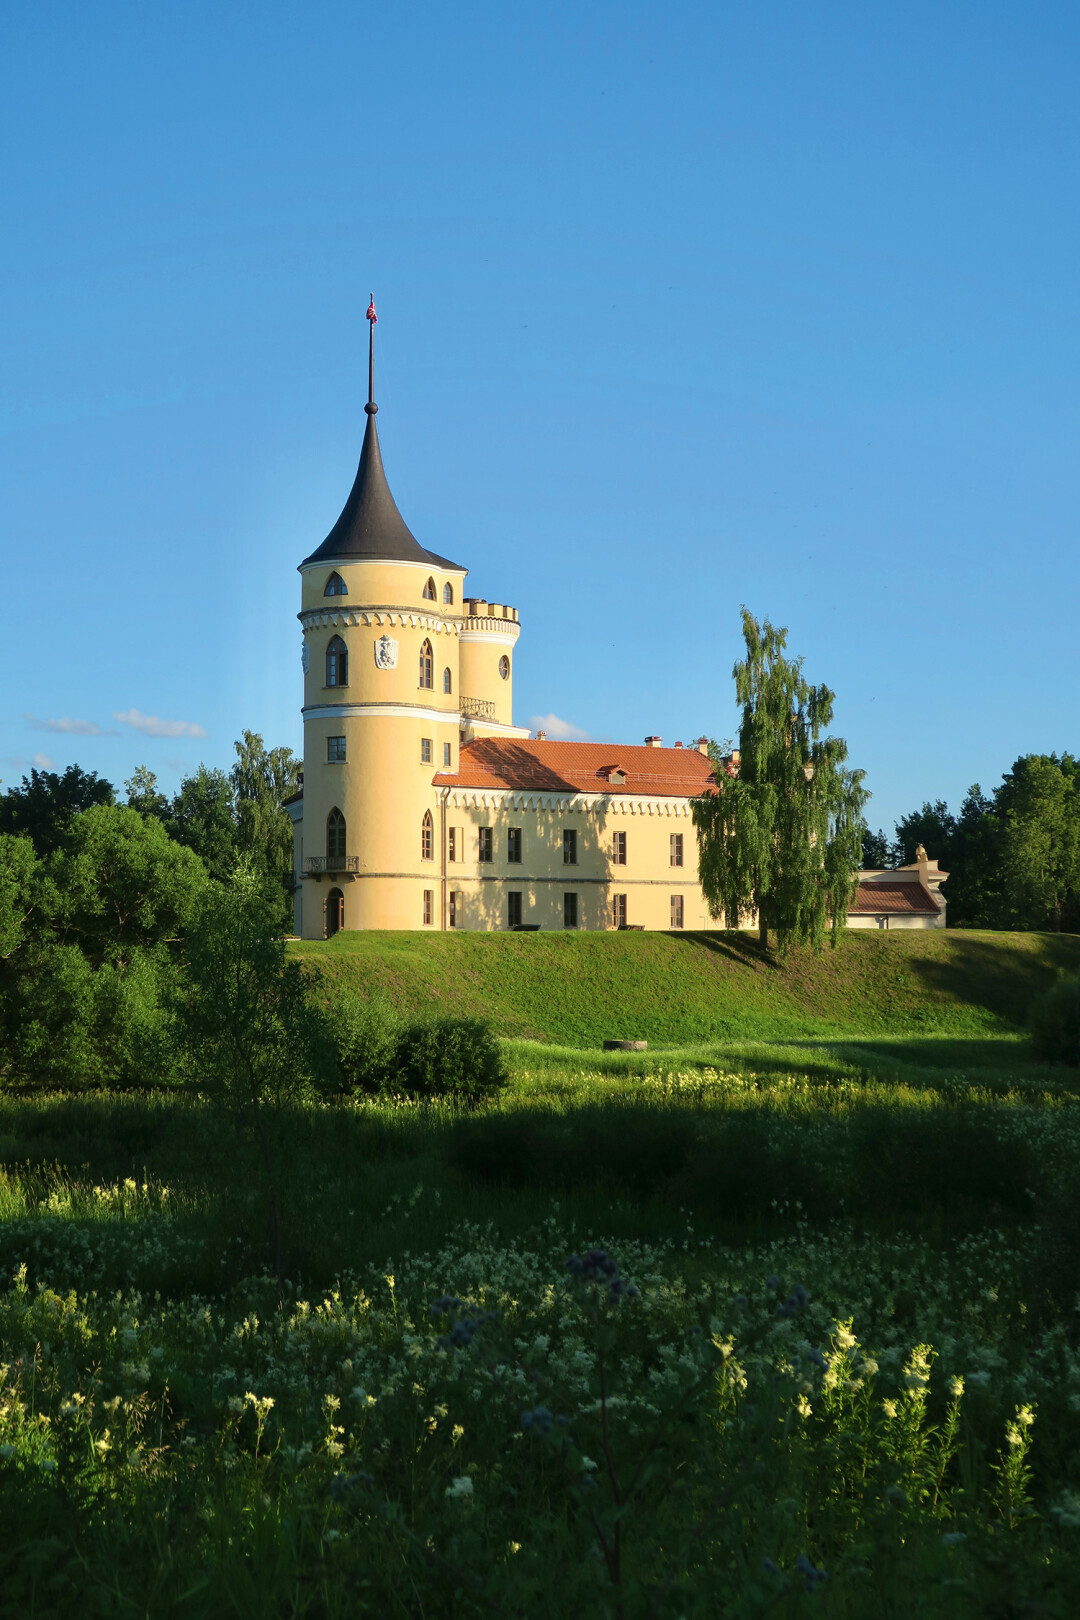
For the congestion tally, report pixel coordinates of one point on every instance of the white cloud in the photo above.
(69, 728)
(151, 726)
(562, 729)
(43, 762)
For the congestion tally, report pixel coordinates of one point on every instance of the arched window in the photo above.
(429, 591)
(427, 838)
(426, 661)
(337, 663)
(447, 683)
(336, 586)
(504, 667)
(335, 912)
(448, 593)
(335, 835)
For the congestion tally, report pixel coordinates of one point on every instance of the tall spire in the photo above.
(370, 525)
(373, 321)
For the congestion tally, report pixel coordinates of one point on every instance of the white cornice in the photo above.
(431, 567)
(321, 617)
(464, 798)
(502, 630)
(393, 711)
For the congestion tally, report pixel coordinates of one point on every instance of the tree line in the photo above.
(1013, 856)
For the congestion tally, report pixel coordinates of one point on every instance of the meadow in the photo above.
(769, 1323)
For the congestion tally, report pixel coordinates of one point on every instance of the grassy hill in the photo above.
(581, 988)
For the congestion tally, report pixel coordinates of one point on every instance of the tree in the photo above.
(781, 833)
(262, 780)
(1038, 807)
(877, 849)
(142, 793)
(122, 883)
(47, 804)
(254, 1040)
(202, 817)
(933, 827)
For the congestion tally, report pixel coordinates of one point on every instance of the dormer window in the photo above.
(448, 594)
(336, 586)
(429, 591)
(615, 775)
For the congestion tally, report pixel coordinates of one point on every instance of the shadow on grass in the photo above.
(989, 972)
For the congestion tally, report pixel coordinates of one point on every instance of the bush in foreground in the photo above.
(1054, 1021)
(450, 1057)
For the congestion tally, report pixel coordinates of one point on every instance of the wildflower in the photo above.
(460, 1488)
(514, 1546)
(955, 1387)
(845, 1339)
(456, 1432)
(803, 1407)
(538, 1421)
(890, 1408)
(812, 1577)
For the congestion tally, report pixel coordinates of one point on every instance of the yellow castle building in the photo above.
(423, 806)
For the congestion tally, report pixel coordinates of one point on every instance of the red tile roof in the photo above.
(574, 767)
(894, 897)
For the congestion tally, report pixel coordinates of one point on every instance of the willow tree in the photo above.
(780, 831)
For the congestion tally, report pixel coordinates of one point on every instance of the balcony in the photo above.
(476, 708)
(316, 865)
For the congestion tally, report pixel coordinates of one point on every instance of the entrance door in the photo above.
(335, 912)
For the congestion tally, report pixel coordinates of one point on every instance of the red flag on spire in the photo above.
(371, 315)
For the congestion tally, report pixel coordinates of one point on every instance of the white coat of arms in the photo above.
(386, 649)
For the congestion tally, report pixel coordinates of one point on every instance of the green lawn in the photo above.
(672, 989)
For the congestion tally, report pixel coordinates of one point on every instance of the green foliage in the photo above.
(781, 835)
(1055, 1022)
(1014, 858)
(488, 1400)
(450, 1057)
(142, 793)
(252, 1037)
(46, 804)
(877, 849)
(366, 1032)
(122, 882)
(18, 864)
(262, 779)
(202, 818)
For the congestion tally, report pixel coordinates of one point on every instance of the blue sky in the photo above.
(680, 308)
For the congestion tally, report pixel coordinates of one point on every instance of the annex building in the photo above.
(423, 805)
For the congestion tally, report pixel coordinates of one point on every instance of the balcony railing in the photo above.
(476, 708)
(317, 864)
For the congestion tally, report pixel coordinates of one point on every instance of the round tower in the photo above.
(396, 664)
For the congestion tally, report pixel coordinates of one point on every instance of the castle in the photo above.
(423, 805)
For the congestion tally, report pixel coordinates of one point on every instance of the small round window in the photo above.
(504, 667)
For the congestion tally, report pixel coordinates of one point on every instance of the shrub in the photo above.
(450, 1057)
(366, 1034)
(1054, 1021)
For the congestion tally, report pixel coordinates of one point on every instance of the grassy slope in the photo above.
(674, 988)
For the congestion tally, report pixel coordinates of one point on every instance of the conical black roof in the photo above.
(371, 525)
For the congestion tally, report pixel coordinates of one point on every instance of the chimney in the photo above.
(678, 745)
(702, 745)
(541, 736)
(654, 742)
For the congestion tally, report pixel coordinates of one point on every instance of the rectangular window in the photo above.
(618, 849)
(569, 847)
(446, 756)
(676, 911)
(487, 844)
(513, 909)
(676, 849)
(569, 910)
(457, 909)
(335, 749)
(513, 845)
(452, 842)
(425, 750)
(429, 906)
(618, 910)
